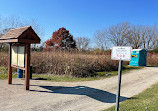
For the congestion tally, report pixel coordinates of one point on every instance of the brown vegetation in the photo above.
(68, 63)
(71, 64)
(74, 64)
(152, 59)
(3, 59)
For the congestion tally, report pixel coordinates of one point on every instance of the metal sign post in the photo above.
(118, 86)
(121, 53)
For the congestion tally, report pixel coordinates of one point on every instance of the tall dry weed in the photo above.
(152, 59)
(71, 64)
(3, 59)
(67, 63)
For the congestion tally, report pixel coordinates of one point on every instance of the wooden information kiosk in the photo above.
(19, 40)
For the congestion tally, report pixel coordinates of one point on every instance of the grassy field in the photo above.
(56, 78)
(145, 101)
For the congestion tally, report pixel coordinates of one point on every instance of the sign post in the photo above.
(121, 53)
(118, 86)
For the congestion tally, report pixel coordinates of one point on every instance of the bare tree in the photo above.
(82, 43)
(11, 22)
(155, 37)
(16, 22)
(149, 36)
(137, 36)
(101, 40)
(119, 33)
(143, 37)
(0, 25)
(116, 34)
(135, 40)
(37, 27)
(39, 30)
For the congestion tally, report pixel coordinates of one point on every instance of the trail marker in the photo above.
(121, 53)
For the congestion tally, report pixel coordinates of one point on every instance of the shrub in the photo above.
(3, 59)
(74, 64)
(152, 59)
(71, 64)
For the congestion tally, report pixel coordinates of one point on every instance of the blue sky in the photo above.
(82, 17)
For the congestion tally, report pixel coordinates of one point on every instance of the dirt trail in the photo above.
(73, 96)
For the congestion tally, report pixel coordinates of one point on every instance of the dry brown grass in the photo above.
(152, 59)
(3, 59)
(71, 64)
(68, 63)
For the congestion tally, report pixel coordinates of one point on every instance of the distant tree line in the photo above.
(123, 34)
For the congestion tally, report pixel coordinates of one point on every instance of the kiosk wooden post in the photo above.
(9, 66)
(27, 66)
(17, 38)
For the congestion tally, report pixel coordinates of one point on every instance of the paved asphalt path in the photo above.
(73, 96)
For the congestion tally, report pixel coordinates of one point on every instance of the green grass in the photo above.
(4, 73)
(100, 75)
(114, 73)
(145, 101)
(62, 78)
